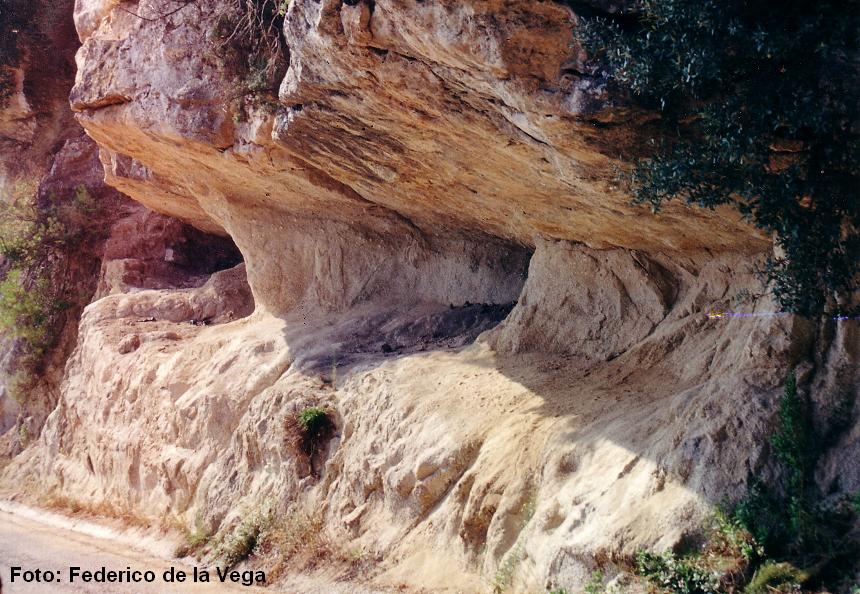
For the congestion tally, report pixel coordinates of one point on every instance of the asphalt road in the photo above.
(31, 545)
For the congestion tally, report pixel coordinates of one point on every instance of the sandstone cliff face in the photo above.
(522, 367)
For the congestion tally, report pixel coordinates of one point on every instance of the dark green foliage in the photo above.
(759, 109)
(594, 585)
(782, 537)
(719, 564)
(793, 449)
(791, 520)
(762, 512)
(777, 518)
(676, 575)
(27, 310)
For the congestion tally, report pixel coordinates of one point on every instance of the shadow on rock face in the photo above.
(146, 250)
(366, 337)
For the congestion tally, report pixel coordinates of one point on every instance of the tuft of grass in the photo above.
(23, 435)
(774, 577)
(505, 573)
(297, 541)
(313, 419)
(508, 567)
(103, 509)
(237, 545)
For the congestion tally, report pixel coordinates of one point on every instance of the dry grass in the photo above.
(195, 537)
(101, 509)
(294, 436)
(297, 542)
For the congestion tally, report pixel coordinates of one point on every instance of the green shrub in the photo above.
(677, 575)
(730, 537)
(313, 419)
(762, 512)
(758, 110)
(792, 445)
(195, 537)
(778, 517)
(782, 536)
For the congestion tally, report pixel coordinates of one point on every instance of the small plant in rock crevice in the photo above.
(306, 430)
(510, 562)
(249, 42)
(297, 539)
(677, 575)
(595, 585)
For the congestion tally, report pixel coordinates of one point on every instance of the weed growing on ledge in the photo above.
(679, 575)
(510, 562)
(297, 540)
(594, 585)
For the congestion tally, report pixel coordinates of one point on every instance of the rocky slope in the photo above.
(521, 366)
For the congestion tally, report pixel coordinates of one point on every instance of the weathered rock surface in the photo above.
(429, 170)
